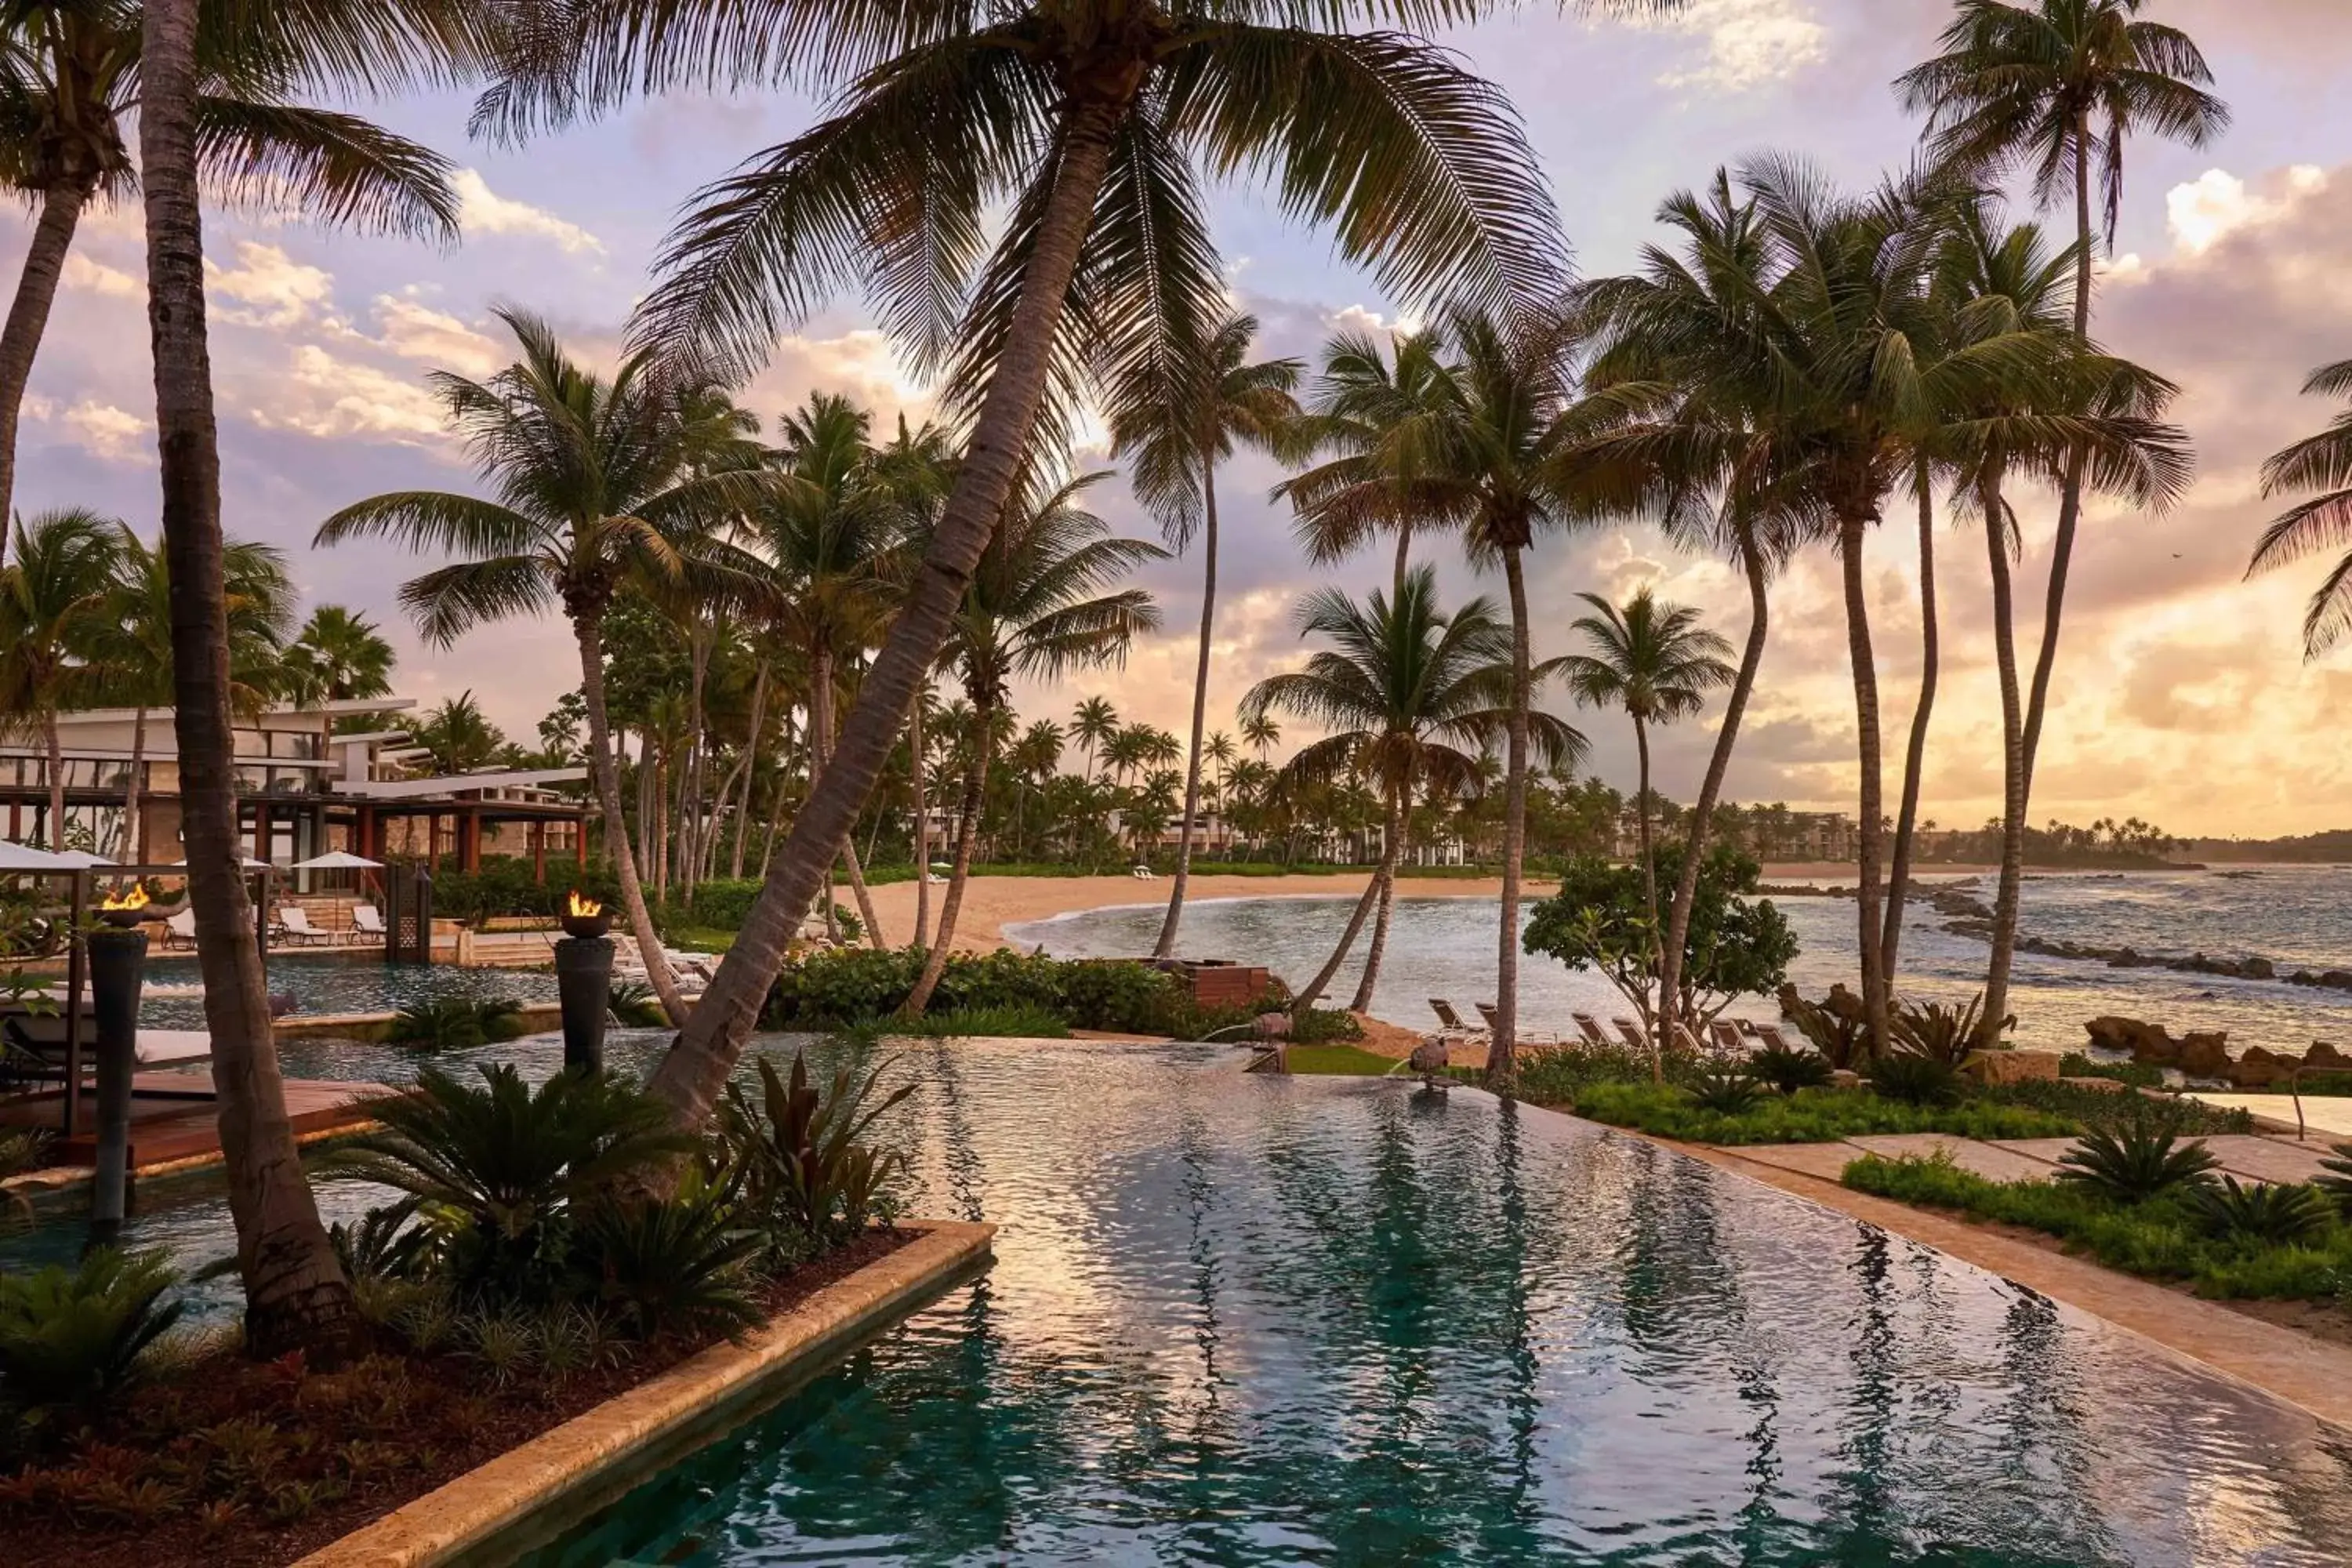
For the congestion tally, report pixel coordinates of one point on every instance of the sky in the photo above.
(2182, 693)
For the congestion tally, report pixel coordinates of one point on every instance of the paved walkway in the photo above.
(2329, 1116)
(2248, 1157)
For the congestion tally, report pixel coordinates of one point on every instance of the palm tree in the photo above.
(1388, 418)
(458, 736)
(598, 489)
(1657, 663)
(1094, 723)
(1261, 732)
(1176, 446)
(338, 657)
(69, 80)
(135, 659)
(1037, 606)
(296, 1297)
(2060, 87)
(2321, 463)
(1087, 127)
(53, 603)
(1408, 697)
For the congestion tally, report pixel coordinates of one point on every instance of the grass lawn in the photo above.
(698, 939)
(1343, 1060)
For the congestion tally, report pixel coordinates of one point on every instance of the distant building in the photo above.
(302, 792)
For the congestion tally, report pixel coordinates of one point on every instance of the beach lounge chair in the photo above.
(1686, 1041)
(180, 930)
(1726, 1038)
(294, 920)
(1629, 1033)
(367, 920)
(1590, 1027)
(1450, 1021)
(1773, 1039)
(1142, 874)
(1486, 1010)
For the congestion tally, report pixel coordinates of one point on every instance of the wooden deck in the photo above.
(172, 1116)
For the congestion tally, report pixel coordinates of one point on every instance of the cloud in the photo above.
(484, 211)
(2207, 210)
(268, 287)
(106, 431)
(416, 331)
(324, 395)
(1749, 42)
(97, 278)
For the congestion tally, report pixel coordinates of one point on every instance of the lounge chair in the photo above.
(1142, 874)
(294, 920)
(1773, 1039)
(1726, 1038)
(1629, 1033)
(1686, 1041)
(1451, 1022)
(1590, 1027)
(1487, 1010)
(367, 920)
(180, 930)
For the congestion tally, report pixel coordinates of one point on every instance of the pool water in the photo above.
(341, 984)
(1238, 1319)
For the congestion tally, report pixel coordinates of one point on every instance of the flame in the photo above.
(584, 907)
(136, 899)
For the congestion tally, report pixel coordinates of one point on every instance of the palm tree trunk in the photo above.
(295, 1294)
(1726, 735)
(1314, 987)
(56, 764)
(751, 768)
(922, 823)
(1915, 756)
(1660, 1016)
(975, 794)
(127, 846)
(1872, 830)
(1403, 560)
(29, 316)
(1166, 946)
(659, 832)
(1502, 1064)
(587, 627)
(1392, 847)
(864, 899)
(690, 1077)
(2013, 759)
(689, 823)
(641, 850)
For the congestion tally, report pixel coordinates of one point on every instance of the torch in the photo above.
(583, 982)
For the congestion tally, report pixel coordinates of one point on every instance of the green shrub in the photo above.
(1812, 1116)
(2137, 1160)
(1788, 1068)
(2139, 1075)
(1940, 1034)
(451, 1024)
(633, 1004)
(74, 1336)
(2338, 1183)
(1836, 1026)
(679, 1265)
(1725, 1092)
(1012, 1023)
(1134, 998)
(2260, 1213)
(856, 987)
(1917, 1080)
(809, 1181)
(2109, 1108)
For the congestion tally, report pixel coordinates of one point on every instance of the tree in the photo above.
(1386, 417)
(1176, 447)
(338, 657)
(296, 1297)
(54, 600)
(133, 660)
(1657, 663)
(1408, 697)
(1601, 919)
(458, 736)
(1040, 604)
(69, 80)
(2321, 463)
(1088, 128)
(1093, 724)
(2058, 88)
(598, 488)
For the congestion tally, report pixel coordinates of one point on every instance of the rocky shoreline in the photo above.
(1970, 917)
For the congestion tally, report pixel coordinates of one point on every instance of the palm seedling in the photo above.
(2278, 1215)
(2137, 1159)
(1789, 1069)
(1916, 1079)
(1726, 1091)
(71, 1335)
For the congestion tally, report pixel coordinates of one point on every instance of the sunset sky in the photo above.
(2182, 696)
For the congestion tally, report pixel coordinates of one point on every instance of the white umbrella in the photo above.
(338, 860)
(245, 862)
(16, 857)
(81, 860)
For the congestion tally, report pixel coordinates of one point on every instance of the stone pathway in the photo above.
(2250, 1158)
(2329, 1116)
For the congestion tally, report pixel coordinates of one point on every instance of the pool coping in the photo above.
(497, 1498)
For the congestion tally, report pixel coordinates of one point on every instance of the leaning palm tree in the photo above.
(1176, 446)
(295, 1293)
(135, 658)
(1380, 420)
(599, 487)
(1409, 697)
(1658, 664)
(55, 599)
(1041, 604)
(2059, 88)
(2322, 465)
(70, 79)
(1021, 190)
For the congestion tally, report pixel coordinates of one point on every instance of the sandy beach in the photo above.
(992, 903)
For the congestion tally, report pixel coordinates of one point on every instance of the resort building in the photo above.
(338, 775)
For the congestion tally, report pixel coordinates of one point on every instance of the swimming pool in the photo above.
(1243, 1320)
(341, 984)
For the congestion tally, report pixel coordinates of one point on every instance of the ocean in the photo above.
(2293, 916)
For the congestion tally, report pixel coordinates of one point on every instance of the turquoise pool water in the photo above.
(1248, 1321)
(342, 984)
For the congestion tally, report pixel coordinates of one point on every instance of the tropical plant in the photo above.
(1788, 1068)
(458, 736)
(1725, 1091)
(2138, 1158)
(2278, 1215)
(1380, 420)
(1175, 445)
(1836, 1026)
(2336, 1183)
(71, 1336)
(53, 607)
(447, 1024)
(1657, 663)
(1942, 1034)
(1916, 1079)
(601, 484)
(338, 655)
(633, 1004)
(1040, 604)
(2059, 88)
(1087, 129)
(2320, 464)
(677, 1264)
(510, 1166)
(807, 1178)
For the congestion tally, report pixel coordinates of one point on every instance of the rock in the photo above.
(2014, 1067)
(2258, 969)
(2259, 1068)
(2142, 1042)
(2323, 1055)
(1845, 1078)
(2106, 1085)
(2205, 1053)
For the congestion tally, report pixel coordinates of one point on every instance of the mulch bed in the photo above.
(390, 1428)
